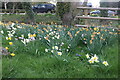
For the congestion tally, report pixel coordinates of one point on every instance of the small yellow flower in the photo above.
(90, 41)
(87, 29)
(12, 54)
(9, 38)
(98, 33)
(77, 32)
(84, 39)
(31, 35)
(10, 43)
(70, 34)
(95, 29)
(105, 63)
(94, 33)
(6, 48)
(34, 35)
(59, 53)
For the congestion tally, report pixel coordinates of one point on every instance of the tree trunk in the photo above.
(68, 11)
(5, 4)
(29, 12)
(13, 9)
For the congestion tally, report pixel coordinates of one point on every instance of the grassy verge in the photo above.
(46, 18)
(25, 65)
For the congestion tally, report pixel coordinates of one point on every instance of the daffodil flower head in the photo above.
(56, 47)
(59, 53)
(34, 35)
(10, 43)
(46, 50)
(87, 55)
(12, 54)
(6, 48)
(105, 63)
(9, 38)
(53, 47)
(91, 61)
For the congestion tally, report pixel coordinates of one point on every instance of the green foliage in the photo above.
(103, 12)
(29, 11)
(46, 18)
(62, 8)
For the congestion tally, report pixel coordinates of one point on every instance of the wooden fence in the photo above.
(90, 17)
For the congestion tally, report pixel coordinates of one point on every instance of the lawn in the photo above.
(55, 51)
(42, 17)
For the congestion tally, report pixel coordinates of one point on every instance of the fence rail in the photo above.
(103, 8)
(103, 18)
(90, 17)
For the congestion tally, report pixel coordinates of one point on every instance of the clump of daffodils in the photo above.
(95, 59)
(92, 59)
(55, 49)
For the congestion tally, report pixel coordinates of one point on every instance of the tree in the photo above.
(67, 12)
(5, 5)
(13, 8)
(29, 12)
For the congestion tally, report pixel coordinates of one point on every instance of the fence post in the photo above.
(86, 14)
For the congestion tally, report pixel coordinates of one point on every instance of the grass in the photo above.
(46, 18)
(25, 65)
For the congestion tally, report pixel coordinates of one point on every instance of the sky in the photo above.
(95, 3)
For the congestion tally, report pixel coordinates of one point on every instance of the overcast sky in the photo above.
(95, 3)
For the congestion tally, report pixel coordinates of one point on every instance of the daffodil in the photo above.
(96, 28)
(2, 32)
(6, 48)
(90, 41)
(59, 53)
(34, 35)
(10, 43)
(46, 50)
(22, 35)
(9, 38)
(56, 47)
(91, 61)
(31, 35)
(52, 51)
(12, 54)
(105, 63)
(87, 55)
(98, 32)
(53, 47)
(95, 58)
